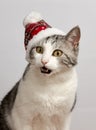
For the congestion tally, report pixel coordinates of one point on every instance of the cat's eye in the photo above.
(57, 53)
(39, 49)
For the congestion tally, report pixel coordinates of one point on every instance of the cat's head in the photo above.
(55, 53)
(48, 49)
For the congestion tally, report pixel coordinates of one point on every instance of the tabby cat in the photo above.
(45, 96)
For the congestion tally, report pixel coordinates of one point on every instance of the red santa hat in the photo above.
(37, 29)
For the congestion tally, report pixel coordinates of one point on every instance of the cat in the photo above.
(45, 96)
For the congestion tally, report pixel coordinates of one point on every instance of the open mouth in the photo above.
(45, 70)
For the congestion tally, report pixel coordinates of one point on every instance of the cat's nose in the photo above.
(44, 62)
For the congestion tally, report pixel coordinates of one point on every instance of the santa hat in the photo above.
(37, 29)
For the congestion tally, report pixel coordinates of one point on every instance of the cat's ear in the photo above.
(73, 36)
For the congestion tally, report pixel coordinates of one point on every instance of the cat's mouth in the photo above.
(45, 70)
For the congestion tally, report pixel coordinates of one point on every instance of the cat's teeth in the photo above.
(45, 70)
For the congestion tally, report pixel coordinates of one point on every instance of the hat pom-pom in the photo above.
(33, 17)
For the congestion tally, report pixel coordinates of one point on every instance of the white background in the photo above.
(63, 14)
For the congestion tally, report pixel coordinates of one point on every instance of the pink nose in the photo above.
(44, 62)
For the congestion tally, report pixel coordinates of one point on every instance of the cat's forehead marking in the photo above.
(52, 42)
(47, 45)
(52, 39)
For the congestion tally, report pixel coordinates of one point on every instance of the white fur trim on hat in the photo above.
(32, 18)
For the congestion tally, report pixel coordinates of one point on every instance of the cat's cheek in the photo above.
(38, 60)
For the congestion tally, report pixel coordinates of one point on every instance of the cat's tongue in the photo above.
(45, 70)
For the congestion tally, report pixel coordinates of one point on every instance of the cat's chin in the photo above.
(45, 70)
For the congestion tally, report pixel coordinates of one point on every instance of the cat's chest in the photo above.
(37, 102)
(42, 100)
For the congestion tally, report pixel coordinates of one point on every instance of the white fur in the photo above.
(40, 99)
(44, 102)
